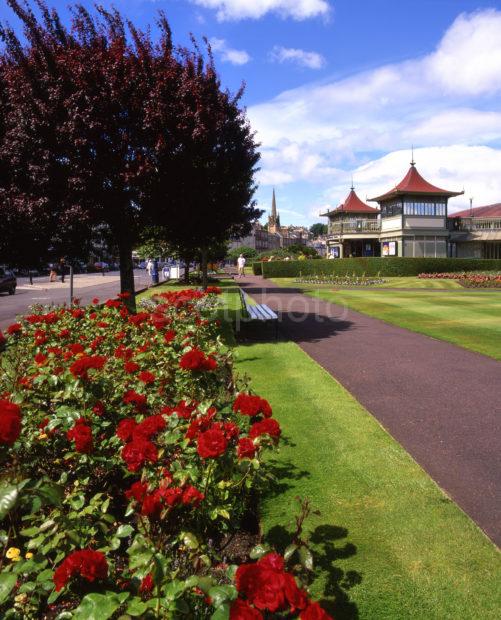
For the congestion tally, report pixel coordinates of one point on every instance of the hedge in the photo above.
(397, 266)
(257, 268)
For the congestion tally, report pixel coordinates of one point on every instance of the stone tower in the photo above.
(274, 218)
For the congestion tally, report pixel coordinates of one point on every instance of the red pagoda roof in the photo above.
(413, 183)
(487, 211)
(353, 204)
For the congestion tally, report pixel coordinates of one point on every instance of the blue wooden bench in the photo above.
(258, 312)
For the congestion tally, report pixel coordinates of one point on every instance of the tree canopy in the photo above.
(101, 125)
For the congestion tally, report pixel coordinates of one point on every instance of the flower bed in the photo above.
(130, 455)
(468, 280)
(346, 280)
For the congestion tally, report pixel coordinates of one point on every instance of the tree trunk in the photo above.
(127, 273)
(187, 261)
(203, 265)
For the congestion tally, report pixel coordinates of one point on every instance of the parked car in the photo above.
(8, 281)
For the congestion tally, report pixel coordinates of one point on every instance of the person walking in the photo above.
(62, 267)
(241, 265)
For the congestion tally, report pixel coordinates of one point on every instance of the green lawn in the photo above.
(470, 318)
(388, 543)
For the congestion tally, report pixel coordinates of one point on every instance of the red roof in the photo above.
(487, 211)
(353, 204)
(413, 183)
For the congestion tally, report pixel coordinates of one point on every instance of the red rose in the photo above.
(137, 452)
(241, 610)
(95, 301)
(211, 444)
(98, 408)
(80, 368)
(10, 422)
(152, 506)
(2, 338)
(131, 367)
(263, 586)
(149, 427)
(82, 436)
(125, 428)
(138, 491)
(15, 328)
(196, 360)
(159, 321)
(297, 599)
(183, 410)
(76, 348)
(269, 426)
(146, 377)
(169, 336)
(138, 400)
(246, 448)
(147, 584)
(192, 496)
(250, 405)
(315, 612)
(40, 359)
(171, 496)
(90, 565)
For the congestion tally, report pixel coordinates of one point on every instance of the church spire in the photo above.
(273, 206)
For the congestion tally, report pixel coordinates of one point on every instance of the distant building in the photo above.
(412, 220)
(274, 236)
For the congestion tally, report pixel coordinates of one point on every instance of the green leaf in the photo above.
(190, 540)
(306, 558)
(136, 607)
(289, 552)
(99, 606)
(8, 498)
(222, 612)
(51, 493)
(258, 551)
(221, 594)
(7, 582)
(124, 530)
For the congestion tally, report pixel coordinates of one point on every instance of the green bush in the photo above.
(397, 266)
(257, 268)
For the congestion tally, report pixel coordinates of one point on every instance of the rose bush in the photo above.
(129, 451)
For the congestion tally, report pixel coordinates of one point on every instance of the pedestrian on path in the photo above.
(241, 265)
(62, 267)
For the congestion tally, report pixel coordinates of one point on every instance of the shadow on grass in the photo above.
(327, 546)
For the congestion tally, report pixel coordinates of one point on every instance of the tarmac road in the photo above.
(86, 287)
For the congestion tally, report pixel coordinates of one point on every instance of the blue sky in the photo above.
(337, 88)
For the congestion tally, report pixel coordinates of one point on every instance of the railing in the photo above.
(477, 223)
(354, 226)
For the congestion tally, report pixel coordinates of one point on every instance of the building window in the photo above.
(391, 208)
(412, 207)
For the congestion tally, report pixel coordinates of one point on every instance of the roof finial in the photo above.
(352, 186)
(413, 163)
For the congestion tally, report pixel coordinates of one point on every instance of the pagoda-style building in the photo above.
(411, 221)
(353, 228)
(414, 217)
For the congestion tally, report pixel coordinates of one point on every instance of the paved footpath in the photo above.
(441, 402)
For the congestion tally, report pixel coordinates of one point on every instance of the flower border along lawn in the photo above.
(467, 318)
(388, 542)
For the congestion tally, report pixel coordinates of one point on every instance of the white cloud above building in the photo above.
(445, 103)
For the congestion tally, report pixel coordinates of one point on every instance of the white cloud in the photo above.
(310, 60)
(469, 55)
(255, 9)
(319, 132)
(228, 54)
